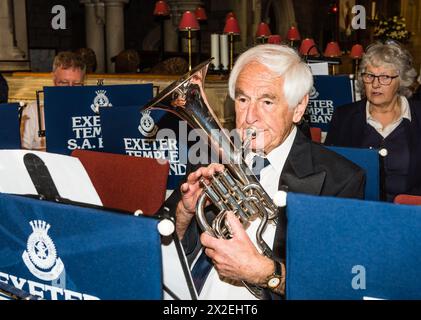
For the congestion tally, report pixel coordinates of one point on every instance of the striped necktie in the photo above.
(258, 164)
(201, 270)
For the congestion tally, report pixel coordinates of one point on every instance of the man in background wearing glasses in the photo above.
(387, 118)
(68, 70)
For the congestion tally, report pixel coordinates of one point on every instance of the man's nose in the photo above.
(251, 116)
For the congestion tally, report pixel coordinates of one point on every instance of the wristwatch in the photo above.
(275, 279)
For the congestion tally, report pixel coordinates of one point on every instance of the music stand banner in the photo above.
(327, 93)
(151, 134)
(64, 252)
(352, 249)
(9, 126)
(72, 118)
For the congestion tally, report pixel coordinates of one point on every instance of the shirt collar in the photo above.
(277, 157)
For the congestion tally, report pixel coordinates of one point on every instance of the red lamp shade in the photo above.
(308, 47)
(274, 39)
(263, 30)
(161, 9)
(188, 21)
(293, 34)
(231, 26)
(200, 14)
(357, 51)
(229, 15)
(332, 50)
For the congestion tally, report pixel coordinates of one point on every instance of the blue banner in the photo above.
(327, 93)
(72, 118)
(9, 126)
(65, 252)
(352, 249)
(152, 134)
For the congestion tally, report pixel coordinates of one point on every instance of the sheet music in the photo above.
(68, 173)
(319, 69)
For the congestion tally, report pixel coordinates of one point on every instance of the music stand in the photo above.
(9, 127)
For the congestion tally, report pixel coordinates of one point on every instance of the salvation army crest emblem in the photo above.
(40, 256)
(100, 101)
(313, 93)
(147, 125)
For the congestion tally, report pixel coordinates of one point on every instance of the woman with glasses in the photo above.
(385, 118)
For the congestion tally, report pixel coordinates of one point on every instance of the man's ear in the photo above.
(300, 109)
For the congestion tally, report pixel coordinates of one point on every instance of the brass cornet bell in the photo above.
(235, 189)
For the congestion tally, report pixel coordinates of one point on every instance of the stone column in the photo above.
(248, 16)
(8, 48)
(21, 33)
(94, 23)
(114, 23)
(171, 25)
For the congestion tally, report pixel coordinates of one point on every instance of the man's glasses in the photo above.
(383, 79)
(69, 84)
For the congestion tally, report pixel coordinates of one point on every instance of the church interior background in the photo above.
(132, 45)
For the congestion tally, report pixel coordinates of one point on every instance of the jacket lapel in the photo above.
(298, 174)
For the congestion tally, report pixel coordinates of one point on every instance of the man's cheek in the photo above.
(240, 120)
(260, 141)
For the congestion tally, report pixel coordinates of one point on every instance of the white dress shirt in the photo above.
(224, 289)
(29, 128)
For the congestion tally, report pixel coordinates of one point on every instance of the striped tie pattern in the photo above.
(258, 164)
(200, 271)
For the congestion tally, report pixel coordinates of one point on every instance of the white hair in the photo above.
(281, 60)
(394, 56)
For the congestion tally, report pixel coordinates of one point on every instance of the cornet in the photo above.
(236, 188)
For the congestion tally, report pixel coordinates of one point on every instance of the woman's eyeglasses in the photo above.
(383, 79)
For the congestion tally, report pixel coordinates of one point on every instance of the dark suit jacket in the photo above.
(311, 169)
(347, 129)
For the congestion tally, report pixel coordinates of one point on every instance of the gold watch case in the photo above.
(273, 281)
